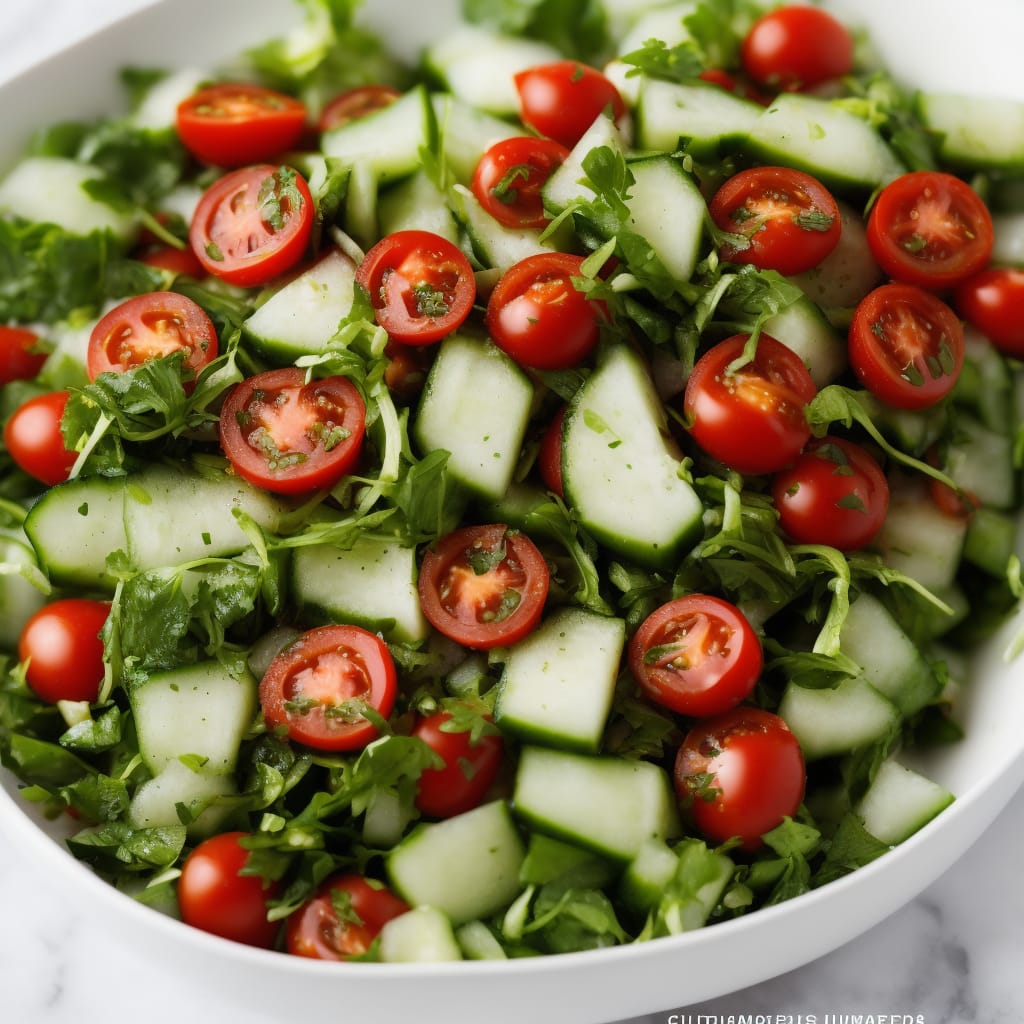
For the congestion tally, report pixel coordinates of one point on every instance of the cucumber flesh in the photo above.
(900, 802)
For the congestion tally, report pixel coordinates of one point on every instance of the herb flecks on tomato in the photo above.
(326, 688)
(421, 286)
(291, 436)
(510, 176)
(697, 655)
(484, 586)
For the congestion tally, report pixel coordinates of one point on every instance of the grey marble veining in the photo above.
(952, 956)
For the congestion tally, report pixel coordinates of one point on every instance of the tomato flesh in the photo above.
(906, 346)
(315, 688)
(750, 418)
(483, 586)
(252, 224)
(231, 124)
(148, 327)
(342, 918)
(539, 318)
(788, 219)
(33, 437)
(930, 229)
(420, 284)
(63, 650)
(292, 437)
(835, 494)
(740, 774)
(696, 655)
(216, 897)
(354, 104)
(470, 766)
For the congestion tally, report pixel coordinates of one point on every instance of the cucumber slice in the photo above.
(371, 584)
(621, 469)
(837, 720)
(50, 190)
(467, 866)
(976, 131)
(302, 317)
(466, 133)
(805, 329)
(476, 405)
(899, 802)
(605, 804)
(980, 461)
(564, 186)
(824, 140)
(156, 802)
(419, 936)
(558, 683)
(493, 244)
(416, 204)
(200, 711)
(19, 599)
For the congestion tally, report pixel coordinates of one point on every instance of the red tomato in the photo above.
(796, 47)
(469, 768)
(19, 359)
(751, 418)
(930, 229)
(213, 894)
(33, 438)
(62, 646)
(252, 224)
(993, 302)
(342, 918)
(741, 773)
(563, 99)
(407, 368)
(180, 262)
(484, 586)
(696, 655)
(789, 219)
(421, 286)
(906, 346)
(509, 178)
(549, 456)
(292, 437)
(232, 124)
(150, 326)
(354, 104)
(539, 318)
(835, 493)
(306, 688)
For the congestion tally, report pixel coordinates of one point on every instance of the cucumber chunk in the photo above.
(976, 132)
(421, 935)
(899, 802)
(622, 470)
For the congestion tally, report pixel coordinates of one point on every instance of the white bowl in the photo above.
(984, 770)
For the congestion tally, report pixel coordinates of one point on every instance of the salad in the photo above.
(519, 504)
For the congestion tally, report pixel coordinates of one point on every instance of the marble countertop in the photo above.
(951, 956)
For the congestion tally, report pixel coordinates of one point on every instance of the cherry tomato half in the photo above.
(470, 766)
(292, 437)
(696, 655)
(549, 455)
(751, 418)
(33, 437)
(483, 586)
(420, 284)
(906, 346)
(19, 357)
(993, 302)
(234, 123)
(563, 99)
(795, 47)
(307, 689)
(539, 318)
(930, 229)
(216, 897)
(342, 918)
(252, 224)
(150, 326)
(835, 493)
(789, 219)
(509, 178)
(62, 646)
(355, 103)
(740, 773)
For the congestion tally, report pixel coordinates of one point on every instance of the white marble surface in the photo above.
(951, 956)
